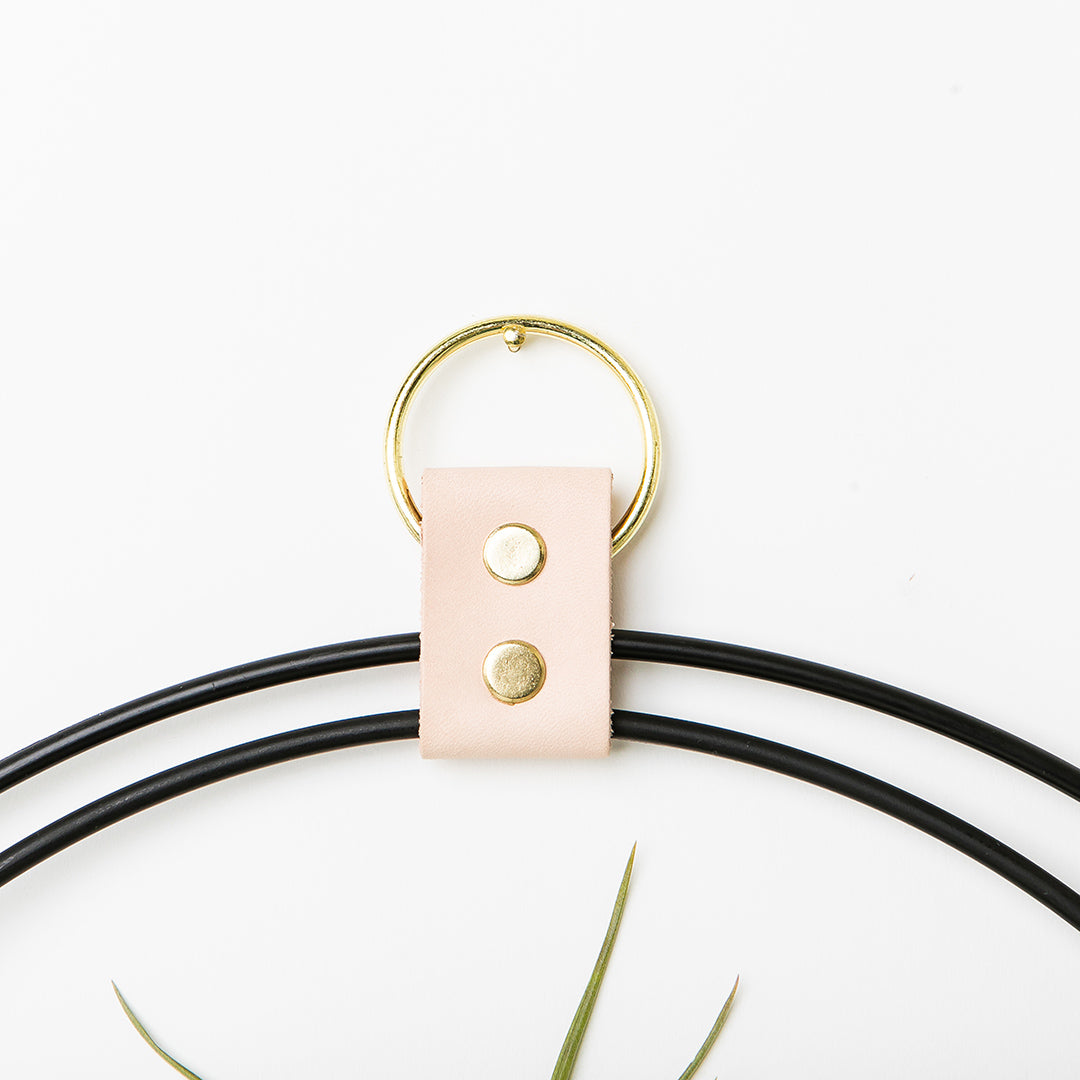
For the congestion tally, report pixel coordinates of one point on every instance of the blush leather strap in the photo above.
(563, 613)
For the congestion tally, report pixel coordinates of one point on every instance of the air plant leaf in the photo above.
(564, 1066)
(707, 1045)
(149, 1041)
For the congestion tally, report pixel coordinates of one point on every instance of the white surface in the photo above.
(840, 246)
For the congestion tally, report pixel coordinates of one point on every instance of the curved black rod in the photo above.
(930, 819)
(218, 686)
(626, 645)
(859, 690)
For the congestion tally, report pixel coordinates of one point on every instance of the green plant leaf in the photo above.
(707, 1045)
(564, 1066)
(567, 1059)
(149, 1041)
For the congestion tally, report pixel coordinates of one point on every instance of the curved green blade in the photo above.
(149, 1041)
(707, 1045)
(564, 1066)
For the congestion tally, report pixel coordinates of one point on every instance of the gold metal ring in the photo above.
(514, 331)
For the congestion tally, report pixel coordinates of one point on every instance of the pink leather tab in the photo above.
(564, 613)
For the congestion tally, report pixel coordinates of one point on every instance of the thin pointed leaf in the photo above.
(707, 1045)
(564, 1066)
(149, 1041)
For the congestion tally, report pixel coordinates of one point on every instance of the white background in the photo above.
(840, 246)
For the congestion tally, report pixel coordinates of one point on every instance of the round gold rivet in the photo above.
(514, 336)
(514, 671)
(514, 554)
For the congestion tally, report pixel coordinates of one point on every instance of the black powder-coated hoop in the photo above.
(627, 645)
(664, 731)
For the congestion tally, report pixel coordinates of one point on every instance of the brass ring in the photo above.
(514, 331)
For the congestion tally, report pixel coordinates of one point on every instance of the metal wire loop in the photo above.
(514, 331)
